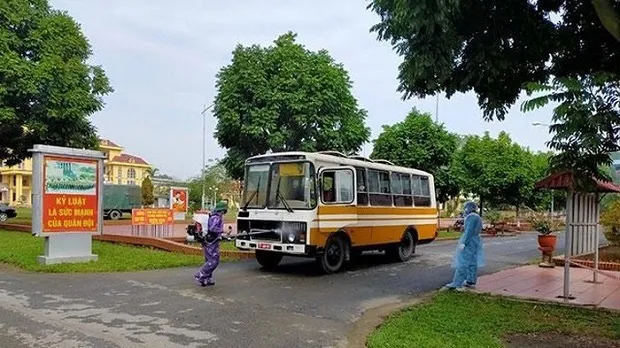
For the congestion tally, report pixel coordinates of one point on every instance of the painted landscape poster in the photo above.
(70, 177)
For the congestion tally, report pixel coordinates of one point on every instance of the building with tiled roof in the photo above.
(120, 168)
(123, 168)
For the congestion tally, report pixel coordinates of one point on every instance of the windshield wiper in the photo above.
(255, 193)
(281, 196)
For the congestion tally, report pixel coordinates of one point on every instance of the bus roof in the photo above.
(336, 157)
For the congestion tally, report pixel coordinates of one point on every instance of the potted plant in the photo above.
(544, 226)
(493, 217)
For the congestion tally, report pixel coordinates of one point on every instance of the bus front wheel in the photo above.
(268, 259)
(333, 258)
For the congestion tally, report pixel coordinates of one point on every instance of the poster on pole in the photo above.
(67, 187)
(179, 202)
(70, 195)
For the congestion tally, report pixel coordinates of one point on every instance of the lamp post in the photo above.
(214, 189)
(204, 141)
(539, 124)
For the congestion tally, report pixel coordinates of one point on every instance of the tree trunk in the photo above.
(480, 206)
(518, 216)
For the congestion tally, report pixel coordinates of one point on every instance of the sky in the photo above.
(162, 59)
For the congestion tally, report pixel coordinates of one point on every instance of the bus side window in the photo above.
(379, 188)
(401, 189)
(362, 187)
(406, 180)
(345, 186)
(421, 191)
(328, 194)
(338, 186)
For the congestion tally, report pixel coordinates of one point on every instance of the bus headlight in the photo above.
(291, 231)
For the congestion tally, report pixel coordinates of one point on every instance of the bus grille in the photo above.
(272, 230)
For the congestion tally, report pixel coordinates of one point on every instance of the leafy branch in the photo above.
(586, 122)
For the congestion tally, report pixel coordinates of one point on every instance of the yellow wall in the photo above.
(111, 152)
(19, 181)
(19, 177)
(120, 173)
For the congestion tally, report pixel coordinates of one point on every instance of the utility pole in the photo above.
(204, 153)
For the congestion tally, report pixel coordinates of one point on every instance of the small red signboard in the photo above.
(152, 217)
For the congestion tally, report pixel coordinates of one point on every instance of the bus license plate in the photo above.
(264, 246)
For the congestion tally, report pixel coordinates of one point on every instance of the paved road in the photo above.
(292, 307)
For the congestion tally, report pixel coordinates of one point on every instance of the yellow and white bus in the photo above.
(333, 207)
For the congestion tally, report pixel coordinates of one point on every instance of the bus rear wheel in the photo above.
(405, 249)
(333, 258)
(268, 259)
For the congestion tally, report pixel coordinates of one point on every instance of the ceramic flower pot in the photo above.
(547, 241)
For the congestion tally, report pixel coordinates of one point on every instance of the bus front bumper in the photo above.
(292, 249)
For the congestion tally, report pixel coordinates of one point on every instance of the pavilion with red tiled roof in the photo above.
(582, 220)
(571, 285)
(565, 180)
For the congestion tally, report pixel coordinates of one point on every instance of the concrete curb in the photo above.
(483, 236)
(374, 317)
(122, 222)
(168, 245)
(16, 228)
(602, 266)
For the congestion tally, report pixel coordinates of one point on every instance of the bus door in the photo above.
(364, 230)
(338, 202)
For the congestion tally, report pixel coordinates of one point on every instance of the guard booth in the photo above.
(582, 221)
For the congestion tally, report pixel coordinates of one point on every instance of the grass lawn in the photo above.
(24, 215)
(451, 234)
(21, 250)
(472, 320)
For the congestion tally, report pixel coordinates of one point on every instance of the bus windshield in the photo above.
(288, 185)
(292, 184)
(255, 183)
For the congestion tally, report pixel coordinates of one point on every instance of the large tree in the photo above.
(47, 88)
(418, 142)
(498, 171)
(496, 47)
(285, 97)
